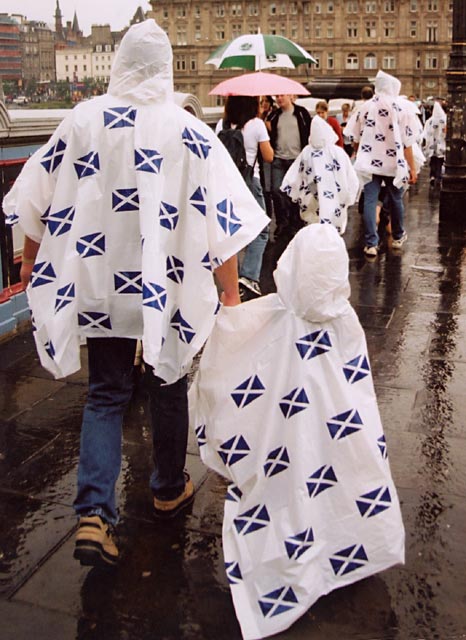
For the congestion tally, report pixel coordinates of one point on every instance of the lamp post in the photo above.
(453, 192)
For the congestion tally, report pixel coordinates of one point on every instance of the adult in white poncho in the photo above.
(130, 207)
(322, 179)
(283, 405)
(434, 137)
(384, 131)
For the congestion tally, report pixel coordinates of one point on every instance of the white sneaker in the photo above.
(251, 285)
(371, 251)
(397, 244)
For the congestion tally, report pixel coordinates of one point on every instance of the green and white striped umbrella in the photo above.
(259, 51)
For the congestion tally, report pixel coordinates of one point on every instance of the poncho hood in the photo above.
(142, 71)
(312, 274)
(386, 84)
(438, 113)
(321, 134)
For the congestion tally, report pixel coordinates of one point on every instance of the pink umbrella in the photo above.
(259, 84)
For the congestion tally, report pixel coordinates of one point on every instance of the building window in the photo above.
(293, 8)
(431, 32)
(317, 30)
(388, 61)
(220, 33)
(352, 30)
(370, 61)
(413, 5)
(413, 29)
(389, 29)
(180, 63)
(446, 59)
(432, 5)
(371, 7)
(352, 61)
(418, 61)
(181, 37)
(329, 30)
(98, 48)
(389, 6)
(220, 10)
(316, 57)
(294, 31)
(197, 33)
(253, 9)
(66, 67)
(236, 9)
(306, 8)
(236, 30)
(352, 6)
(273, 9)
(318, 7)
(307, 32)
(197, 11)
(283, 9)
(165, 13)
(108, 47)
(431, 61)
(85, 67)
(371, 30)
(330, 7)
(330, 61)
(283, 30)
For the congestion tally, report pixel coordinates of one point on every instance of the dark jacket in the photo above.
(304, 125)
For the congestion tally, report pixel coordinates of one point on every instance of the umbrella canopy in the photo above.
(258, 84)
(259, 51)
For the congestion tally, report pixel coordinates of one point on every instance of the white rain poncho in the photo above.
(134, 202)
(435, 133)
(382, 127)
(283, 405)
(322, 179)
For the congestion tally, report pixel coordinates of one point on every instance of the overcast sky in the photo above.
(117, 13)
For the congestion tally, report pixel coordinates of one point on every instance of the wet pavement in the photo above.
(170, 584)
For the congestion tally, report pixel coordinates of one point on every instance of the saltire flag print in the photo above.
(283, 406)
(125, 248)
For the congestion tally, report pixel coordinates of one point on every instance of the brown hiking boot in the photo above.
(95, 543)
(170, 508)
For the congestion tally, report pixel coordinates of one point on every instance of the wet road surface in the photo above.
(171, 584)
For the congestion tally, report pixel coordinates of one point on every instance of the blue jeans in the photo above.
(111, 362)
(395, 200)
(252, 260)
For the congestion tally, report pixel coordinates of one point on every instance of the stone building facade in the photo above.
(38, 43)
(349, 38)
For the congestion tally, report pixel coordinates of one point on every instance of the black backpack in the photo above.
(234, 142)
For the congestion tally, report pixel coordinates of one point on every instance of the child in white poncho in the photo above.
(322, 179)
(284, 406)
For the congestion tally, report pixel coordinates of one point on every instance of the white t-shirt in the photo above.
(254, 132)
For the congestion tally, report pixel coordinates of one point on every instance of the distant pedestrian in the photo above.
(434, 138)
(242, 112)
(342, 119)
(322, 180)
(289, 128)
(127, 211)
(384, 131)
